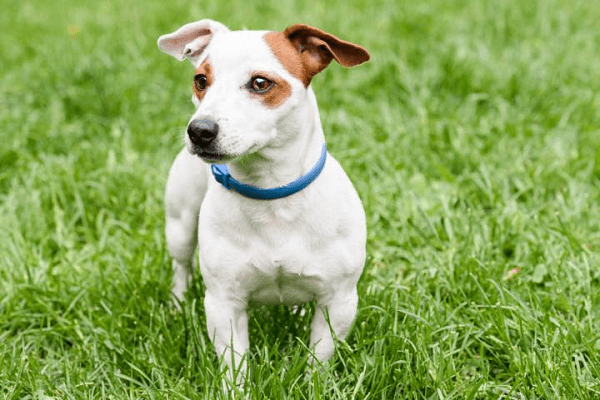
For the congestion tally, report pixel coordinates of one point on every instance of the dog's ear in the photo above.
(317, 48)
(190, 40)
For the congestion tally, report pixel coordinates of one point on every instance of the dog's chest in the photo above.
(283, 271)
(270, 258)
(282, 265)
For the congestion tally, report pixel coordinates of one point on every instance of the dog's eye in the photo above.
(200, 82)
(260, 84)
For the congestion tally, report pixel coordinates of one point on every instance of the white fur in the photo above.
(306, 247)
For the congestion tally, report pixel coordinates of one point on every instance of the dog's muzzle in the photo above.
(202, 132)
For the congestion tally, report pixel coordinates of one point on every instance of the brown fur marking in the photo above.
(305, 51)
(206, 69)
(278, 93)
(287, 54)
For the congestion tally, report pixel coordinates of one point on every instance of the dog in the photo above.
(275, 217)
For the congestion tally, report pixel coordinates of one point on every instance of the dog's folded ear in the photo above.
(190, 40)
(317, 48)
(305, 51)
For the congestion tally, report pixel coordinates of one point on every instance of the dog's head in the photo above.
(248, 83)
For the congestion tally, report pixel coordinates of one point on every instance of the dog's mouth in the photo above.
(212, 157)
(216, 156)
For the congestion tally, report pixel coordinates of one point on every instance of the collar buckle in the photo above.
(222, 174)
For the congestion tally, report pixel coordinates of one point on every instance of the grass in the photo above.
(472, 137)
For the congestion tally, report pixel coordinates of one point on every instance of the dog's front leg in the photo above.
(181, 240)
(185, 190)
(334, 314)
(227, 323)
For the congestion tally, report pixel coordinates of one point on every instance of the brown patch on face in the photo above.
(279, 92)
(287, 55)
(204, 69)
(305, 51)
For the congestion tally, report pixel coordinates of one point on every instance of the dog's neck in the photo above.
(284, 162)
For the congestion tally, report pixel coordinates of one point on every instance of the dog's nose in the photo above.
(202, 131)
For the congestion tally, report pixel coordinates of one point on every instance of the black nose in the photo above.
(202, 131)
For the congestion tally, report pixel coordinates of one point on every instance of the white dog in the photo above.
(281, 222)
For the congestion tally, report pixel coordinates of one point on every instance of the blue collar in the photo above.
(223, 176)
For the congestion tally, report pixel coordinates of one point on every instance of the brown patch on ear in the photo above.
(205, 69)
(287, 55)
(305, 51)
(275, 96)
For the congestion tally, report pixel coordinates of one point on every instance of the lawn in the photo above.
(472, 137)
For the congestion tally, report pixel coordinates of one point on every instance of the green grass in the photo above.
(472, 137)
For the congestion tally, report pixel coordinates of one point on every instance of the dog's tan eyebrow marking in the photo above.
(205, 69)
(287, 55)
(275, 96)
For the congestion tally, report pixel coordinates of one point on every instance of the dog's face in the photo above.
(241, 87)
(248, 83)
